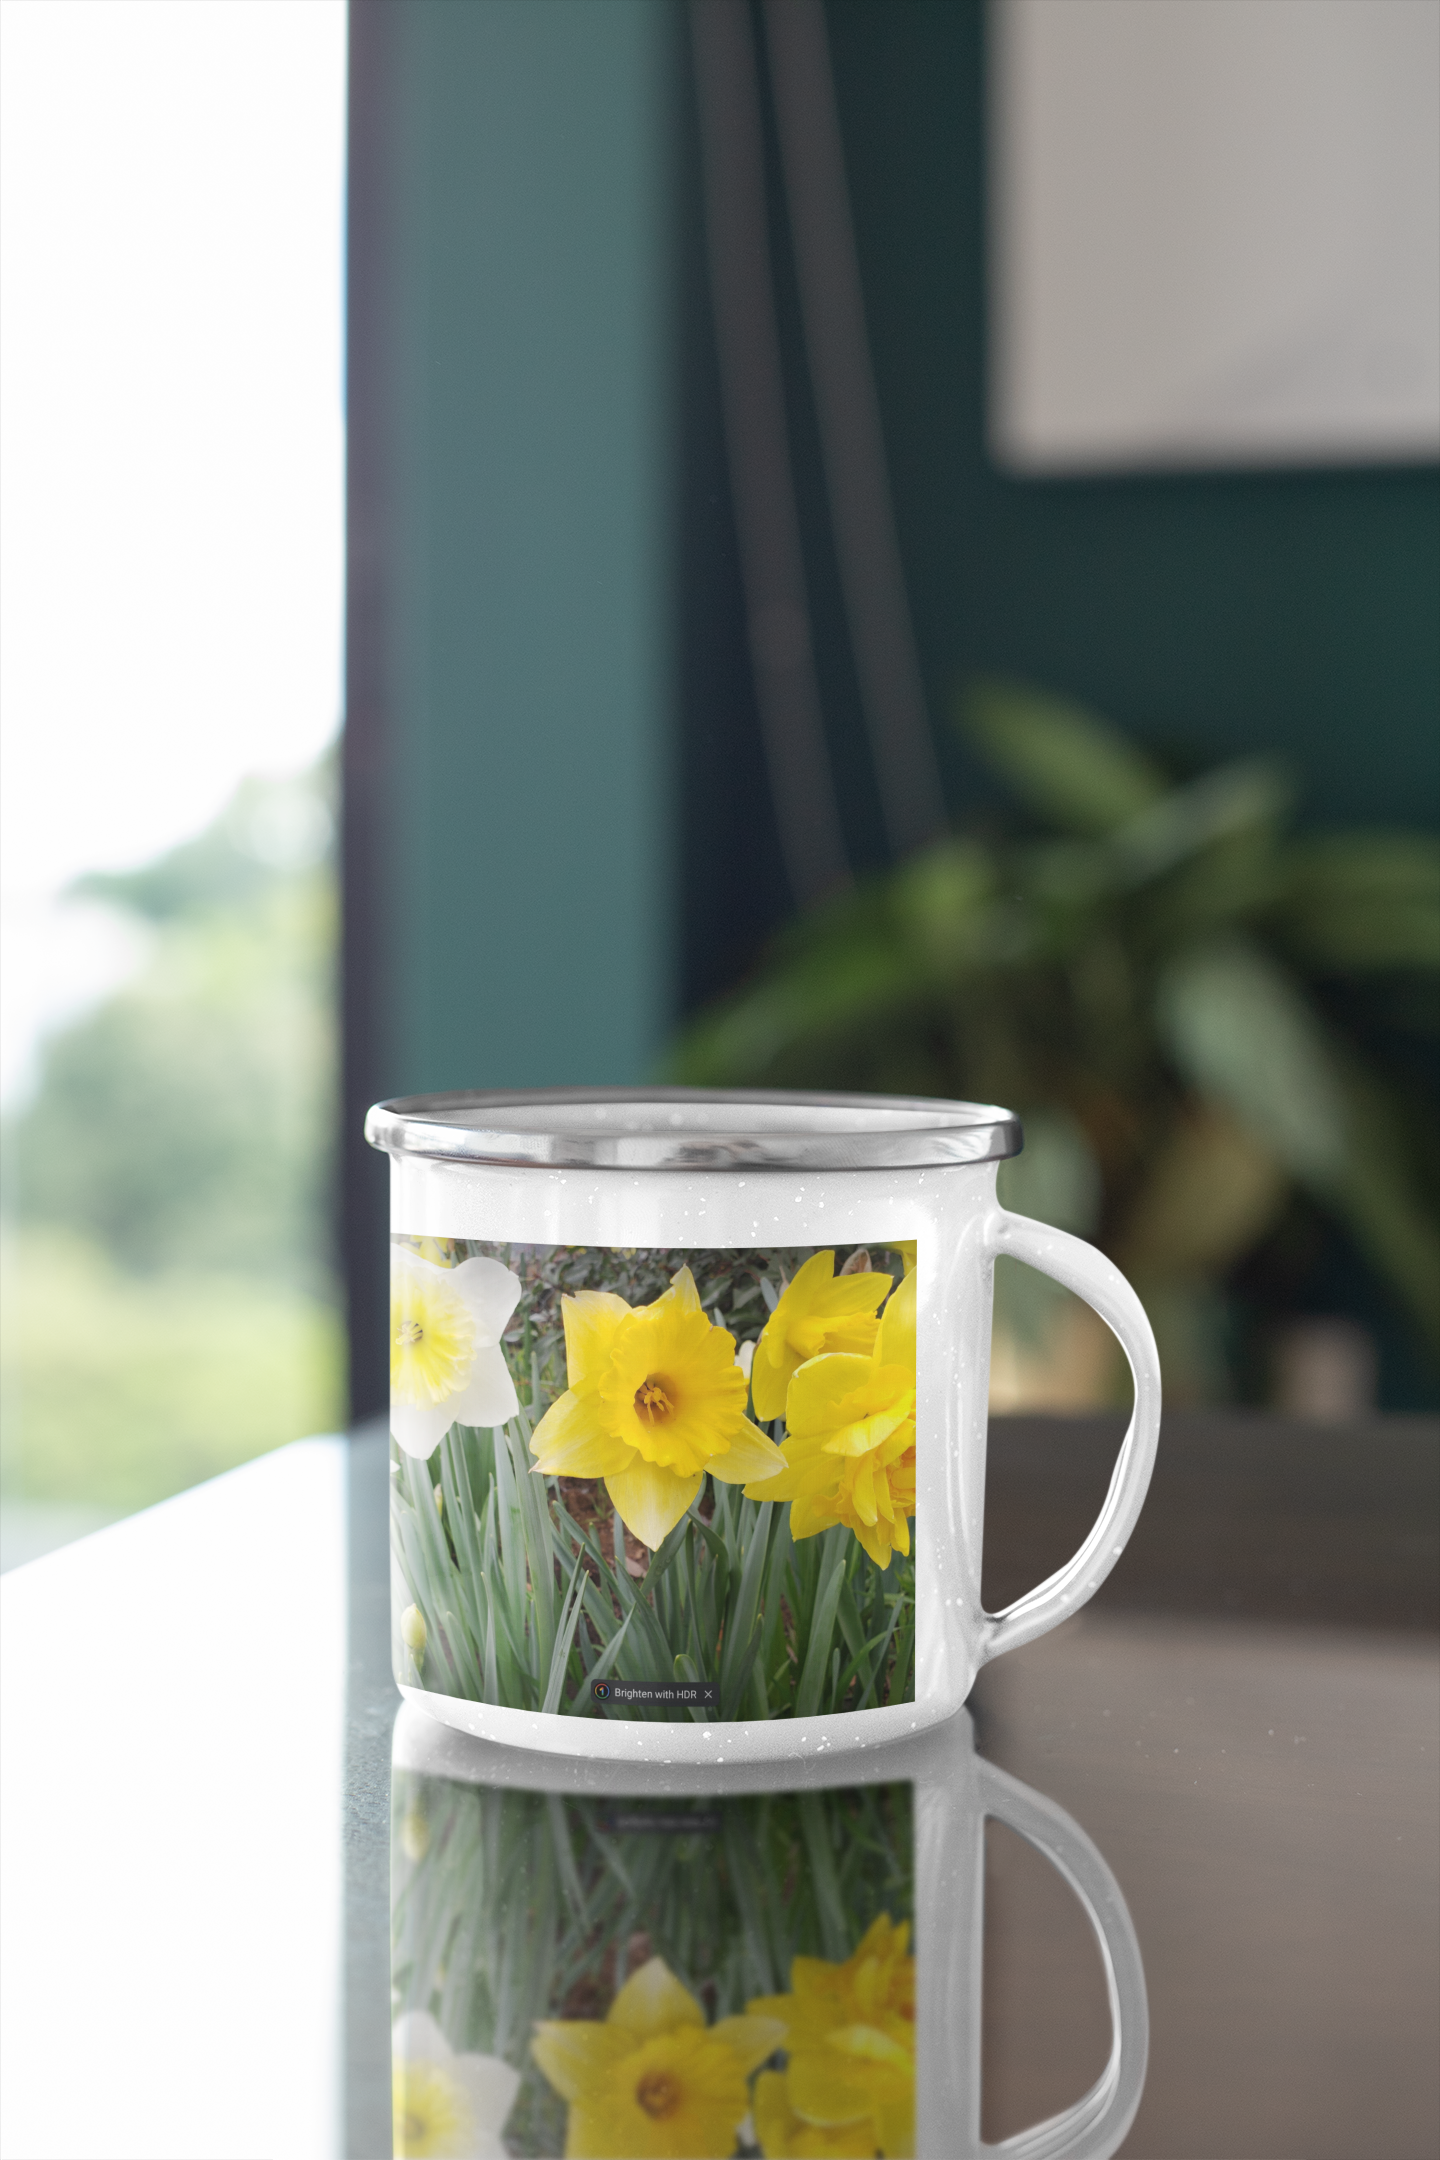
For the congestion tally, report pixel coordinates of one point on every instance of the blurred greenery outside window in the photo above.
(1221, 1034)
(170, 1306)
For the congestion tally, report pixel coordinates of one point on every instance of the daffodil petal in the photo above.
(416, 2036)
(866, 2043)
(488, 1396)
(868, 1433)
(575, 2052)
(827, 2089)
(895, 2121)
(876, 1540)
(883, 1938)
(492, 2086)
(770, 1375)
(491, 1291)
(650, 1500)
(821, 1385)
(848, 1294)
(895, 1344)
(802, 1479)
(752, 2038)
(420, 1427)
(652, 2001)
(683, 1291)
(591, 1319)
(810, 1513)
(572, 1439)
(775, 1359)
(780, 1487)
(775, 2119)
(750, 1455)
(784, 2135)
(856, 1334)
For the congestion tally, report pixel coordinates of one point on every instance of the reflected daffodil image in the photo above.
(784, 2135)
(449, 2106)
(850, 1438)
(818, 1311)
(446, 1363)
(652, 2081)
(655, 1399)
(850, 2033)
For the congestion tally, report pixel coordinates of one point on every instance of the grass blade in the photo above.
(560, 1652)
(822, 1625)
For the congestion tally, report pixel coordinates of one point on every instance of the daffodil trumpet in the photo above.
(850, 1437)
(652, 2080)
(446, 1363)
(655, 1400)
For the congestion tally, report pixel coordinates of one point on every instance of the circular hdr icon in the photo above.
(601, 1691)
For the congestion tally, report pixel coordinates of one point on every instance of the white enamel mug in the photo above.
(775, 1228)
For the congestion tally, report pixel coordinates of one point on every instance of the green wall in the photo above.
(530, 676)
(1294, 611)
(1214, 614)
(557, 832)
(508, 833)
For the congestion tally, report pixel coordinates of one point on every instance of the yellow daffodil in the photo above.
(653, 2081)
(449, 2106)
(819, 1310)
(850, 1439)
(784, 2135)
(655, 1400)
(446, 1363)
(850, 2033)
(905, 1246)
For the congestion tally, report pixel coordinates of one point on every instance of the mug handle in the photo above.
(1081, 1268)
(1096, 2125)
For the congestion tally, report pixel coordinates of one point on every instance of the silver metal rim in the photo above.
(908, 1132)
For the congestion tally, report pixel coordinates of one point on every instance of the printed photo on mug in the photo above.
(655, 1485)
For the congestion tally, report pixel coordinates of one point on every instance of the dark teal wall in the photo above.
(531, 649)
(1293, 611)
(1287, 611)
(557, 830)
(509, 833)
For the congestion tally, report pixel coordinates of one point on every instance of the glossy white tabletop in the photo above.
(173, 1701)
(196, 1810)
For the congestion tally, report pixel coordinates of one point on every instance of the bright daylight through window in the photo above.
(173, 477)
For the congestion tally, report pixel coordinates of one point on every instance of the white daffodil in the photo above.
(449, 2106)
(446, 1363)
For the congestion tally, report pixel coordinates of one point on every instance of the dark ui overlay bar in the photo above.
(682, 1694)
(650, 1822)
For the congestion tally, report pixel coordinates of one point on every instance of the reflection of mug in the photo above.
(688, 1398)
(664, 1960)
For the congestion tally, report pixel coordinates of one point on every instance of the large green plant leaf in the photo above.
(1209, 1190)
(838, 982)
(1070, 765)
(1361, 901)
(1221, 806)
(1242, 1034)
